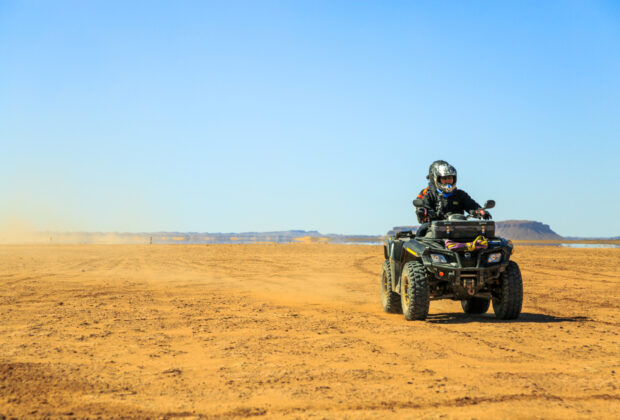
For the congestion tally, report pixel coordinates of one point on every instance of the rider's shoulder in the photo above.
(431, 193)
(461, 193)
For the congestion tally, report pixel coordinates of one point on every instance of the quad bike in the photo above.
(459, 258)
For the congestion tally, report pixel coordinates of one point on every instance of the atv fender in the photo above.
(396, 268)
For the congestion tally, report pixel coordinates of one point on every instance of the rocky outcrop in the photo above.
(524, 229)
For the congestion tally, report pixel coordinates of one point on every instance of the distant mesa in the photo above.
(525, 229)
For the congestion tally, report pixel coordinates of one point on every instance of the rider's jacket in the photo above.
(458, 202)
(421, 216)
(423, 193)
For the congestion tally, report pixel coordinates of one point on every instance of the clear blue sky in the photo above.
(227, 116)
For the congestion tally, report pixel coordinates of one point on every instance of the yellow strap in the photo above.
(481, 240)
(411, 252)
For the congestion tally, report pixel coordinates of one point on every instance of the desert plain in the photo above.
(295, 331)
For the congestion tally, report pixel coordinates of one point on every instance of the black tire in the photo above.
(509, 297)
(475, 305)
(414, 291)
(389, 299)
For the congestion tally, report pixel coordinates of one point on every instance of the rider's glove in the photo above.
(422, 214)
(482, 213)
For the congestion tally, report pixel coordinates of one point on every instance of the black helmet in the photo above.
(433, 165)
(439, 170)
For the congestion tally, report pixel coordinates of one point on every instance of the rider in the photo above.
(444, 198)
(420, 211)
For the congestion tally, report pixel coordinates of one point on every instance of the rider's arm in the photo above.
(430, 203)
(469, 203)
(420, 212)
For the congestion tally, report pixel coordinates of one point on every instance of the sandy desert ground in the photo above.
(295, 331)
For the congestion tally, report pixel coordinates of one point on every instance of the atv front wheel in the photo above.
(389, 299)
(414, 291)
(509, 297)
(475, 305)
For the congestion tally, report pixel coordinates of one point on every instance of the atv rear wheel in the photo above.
(475, 305)
(509, 297)
(389, 299)
(414, 291)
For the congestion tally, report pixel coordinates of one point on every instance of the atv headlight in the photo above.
(495, 258)
(438, 258)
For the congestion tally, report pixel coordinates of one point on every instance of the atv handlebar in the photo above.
(481, 213)
(477, 215)
(489, 204)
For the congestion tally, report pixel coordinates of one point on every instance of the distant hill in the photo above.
(288, 236)
(511, 229)
(395, 229)
(524, 229)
